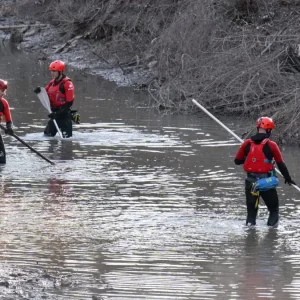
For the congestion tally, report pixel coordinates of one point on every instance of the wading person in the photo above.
(4, 111)
(60, 91)
(258, 155)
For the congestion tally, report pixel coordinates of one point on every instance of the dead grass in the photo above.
(7, 10)
(235, 56)
(247, 65)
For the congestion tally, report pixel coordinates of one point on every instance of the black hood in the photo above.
(58, 81)
(257, 138)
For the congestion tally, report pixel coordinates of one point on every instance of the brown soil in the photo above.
(234, 56)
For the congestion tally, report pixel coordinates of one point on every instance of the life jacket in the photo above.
(56, 93)
(256, 161)
(5, 110)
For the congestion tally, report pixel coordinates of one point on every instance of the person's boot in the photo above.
(273, 218)
(251, 216)
(250, 221)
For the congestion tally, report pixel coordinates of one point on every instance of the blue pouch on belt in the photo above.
(265, 184)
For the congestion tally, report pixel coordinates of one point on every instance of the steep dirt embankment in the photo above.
(234, 56)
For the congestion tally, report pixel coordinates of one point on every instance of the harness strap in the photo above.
(268, 161)
(255, 193)
(259, 175)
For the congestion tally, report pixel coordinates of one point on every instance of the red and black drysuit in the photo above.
(257, 155)
(4, 111)
(61, 96)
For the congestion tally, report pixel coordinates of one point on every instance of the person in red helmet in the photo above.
(258, 155)
(4, 111)
(61, 95)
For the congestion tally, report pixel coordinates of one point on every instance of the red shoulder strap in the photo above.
(264, 141)
(62, 84)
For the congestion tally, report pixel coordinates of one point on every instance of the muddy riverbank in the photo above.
(45, 41)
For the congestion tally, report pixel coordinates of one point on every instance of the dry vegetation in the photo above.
(234, 56)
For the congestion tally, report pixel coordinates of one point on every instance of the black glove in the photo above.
(52, 115)
(290, 181)
(37, 90)
(9, 129)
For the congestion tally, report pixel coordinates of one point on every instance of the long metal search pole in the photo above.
(232, 133)
(33, 150)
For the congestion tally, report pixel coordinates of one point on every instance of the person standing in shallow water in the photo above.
(4, 111)
(258, 154)
(60, 91)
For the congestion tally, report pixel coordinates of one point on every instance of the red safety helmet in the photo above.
(57, 65)
(3, 84)
(265, 123)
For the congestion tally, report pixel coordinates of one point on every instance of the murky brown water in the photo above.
(137, 205)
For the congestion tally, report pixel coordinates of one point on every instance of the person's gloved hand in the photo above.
(9, 129)
(76, 118)
(290, 181)
(52, 115)
(37, 90)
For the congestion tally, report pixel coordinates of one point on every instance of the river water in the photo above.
(138, 205)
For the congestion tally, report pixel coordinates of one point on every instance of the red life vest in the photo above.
(56, 95)
(5, 110)
(256, 161)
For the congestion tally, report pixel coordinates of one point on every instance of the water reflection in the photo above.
(263, 267)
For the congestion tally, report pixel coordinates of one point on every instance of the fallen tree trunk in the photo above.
(20, 26)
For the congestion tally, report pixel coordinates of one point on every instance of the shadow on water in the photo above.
(137, 205)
